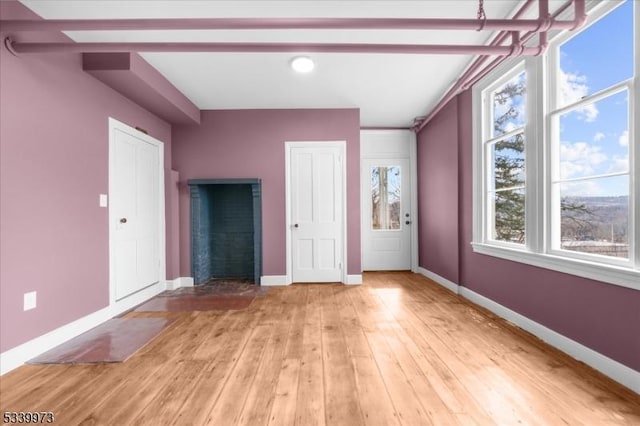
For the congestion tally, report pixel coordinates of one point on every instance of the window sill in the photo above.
(624, 277)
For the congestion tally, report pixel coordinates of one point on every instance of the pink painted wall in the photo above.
(603, 317)
(172, 217)
(438, 220)
(53, 166)
(250, 144)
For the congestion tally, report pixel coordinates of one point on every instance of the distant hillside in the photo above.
(595, 218)
(602, 201)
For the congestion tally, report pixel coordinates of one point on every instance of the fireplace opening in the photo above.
(226, 230)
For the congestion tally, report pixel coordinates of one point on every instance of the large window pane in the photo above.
(385, 197)
(508, 162)
(578, 195)
(508, 215)
(598, 146)
(509, 105)
(594, 216)
(597, 58)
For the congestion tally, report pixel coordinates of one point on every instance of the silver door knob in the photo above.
(123, 220)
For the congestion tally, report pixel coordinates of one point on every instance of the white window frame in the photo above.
(486, 140)
(538, 249)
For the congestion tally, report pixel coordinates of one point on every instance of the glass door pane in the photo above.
(385, 197)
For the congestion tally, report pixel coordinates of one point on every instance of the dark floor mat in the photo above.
(113, 341)
(217, 286)
(216, 294)
(195, 303)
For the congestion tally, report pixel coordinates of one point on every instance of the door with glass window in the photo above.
(386, 209)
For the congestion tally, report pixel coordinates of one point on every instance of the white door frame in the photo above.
(342, 146)
(413, 162)
(150, 291)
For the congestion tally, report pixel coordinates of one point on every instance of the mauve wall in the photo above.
(172, 216)
(250, 144)
(438, 194)
(603, 317)
(53, 166)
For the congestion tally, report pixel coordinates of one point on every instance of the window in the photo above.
(505, 153)
(589, 114)
(385, 197)
(556, 164)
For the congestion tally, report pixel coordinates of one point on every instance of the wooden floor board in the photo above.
(397, 350)
(285, 398)
(341, 396)
(310, 407)
(260, 395)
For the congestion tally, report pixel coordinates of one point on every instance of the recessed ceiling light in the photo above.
(302, 64)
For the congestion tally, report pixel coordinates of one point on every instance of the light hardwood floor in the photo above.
(397, 350)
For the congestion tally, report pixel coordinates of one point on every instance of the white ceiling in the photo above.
(390, 89)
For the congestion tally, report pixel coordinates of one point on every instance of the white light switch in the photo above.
(103, 200)
(29, 300)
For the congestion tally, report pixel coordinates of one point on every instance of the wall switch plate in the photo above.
(29, 300)
(103, 200)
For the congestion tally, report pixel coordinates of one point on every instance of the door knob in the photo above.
(295, 226)
(408, 222)
(123, 220)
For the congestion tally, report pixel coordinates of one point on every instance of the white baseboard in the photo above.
(607, 366)
(180, 282)
(354, 279)
(172, 284)
(449, 285)
(15, 357)
(274, 280)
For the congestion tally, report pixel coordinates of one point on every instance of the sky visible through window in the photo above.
(594, 139)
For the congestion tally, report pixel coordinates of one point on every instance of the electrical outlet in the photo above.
(29, 300)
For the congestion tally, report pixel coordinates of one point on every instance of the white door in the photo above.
(317, 216)
(135, 196)
(386, 210)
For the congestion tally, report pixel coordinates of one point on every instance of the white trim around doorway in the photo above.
(342, 146)
(159, 286)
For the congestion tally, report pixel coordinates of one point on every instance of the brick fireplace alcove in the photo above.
(226, 229)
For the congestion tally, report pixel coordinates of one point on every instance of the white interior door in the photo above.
(135, 210)
(386, 209)
(317, 212)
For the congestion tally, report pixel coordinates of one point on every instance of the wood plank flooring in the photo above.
(398, 350)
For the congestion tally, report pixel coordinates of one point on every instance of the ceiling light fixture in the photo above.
(302, 64)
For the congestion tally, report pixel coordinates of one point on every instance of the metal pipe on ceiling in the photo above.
(497, 40)
(512, 26)
(472, 75)
(516, 48)
(49, 25)
(507, 27)
(407, 49)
